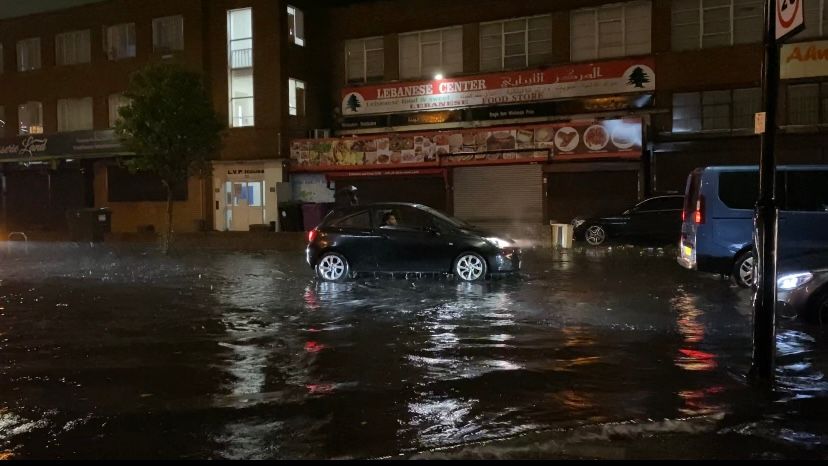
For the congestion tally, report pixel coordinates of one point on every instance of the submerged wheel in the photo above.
(470, 267)
(595, 235)
(332, 267)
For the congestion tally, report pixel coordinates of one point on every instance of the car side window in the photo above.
(407, 218)
(663, 203)
(360, 220)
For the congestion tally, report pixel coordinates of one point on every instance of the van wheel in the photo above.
(744, 270)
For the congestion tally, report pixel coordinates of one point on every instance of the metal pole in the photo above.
(766, 217)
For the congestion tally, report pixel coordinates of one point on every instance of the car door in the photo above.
(352, 235)
(413, 245)
(657, 218)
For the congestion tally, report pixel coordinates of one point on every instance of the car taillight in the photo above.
(312, 235)
(683, 215)
(698, 215)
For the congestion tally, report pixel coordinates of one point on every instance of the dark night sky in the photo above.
(11, 8)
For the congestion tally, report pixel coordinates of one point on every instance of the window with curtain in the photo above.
(424, 54)
(515, 43)
(168, 33)
(615, 30)
(120, 41)
(74, 114)
(72, 48)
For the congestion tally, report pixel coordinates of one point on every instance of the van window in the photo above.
(807, 191)
(739, 190)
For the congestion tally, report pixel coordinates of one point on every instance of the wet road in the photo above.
(120, 353)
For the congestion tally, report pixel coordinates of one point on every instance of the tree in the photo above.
(353, 103)
(171, 127)
(638, 77)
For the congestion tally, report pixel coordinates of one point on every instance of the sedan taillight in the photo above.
(312, 235)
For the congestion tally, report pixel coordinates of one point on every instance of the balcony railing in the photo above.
(242, 58)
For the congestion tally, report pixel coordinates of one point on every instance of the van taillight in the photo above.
(698, 214)
(312, 235)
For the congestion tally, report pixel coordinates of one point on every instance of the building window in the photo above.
(807, 104)
(364, 59)
(515, 43)
(72, 48)
(168, 33)
(616, 30)
(429, 53)
(296, 97)
(28, 54)
(701, 24)
(30, 116)
(125, 186)
(116, 102)
(296, 25)
(816, 20)
(74, 114)
(119, 41)
(715, 110)
(240, 66)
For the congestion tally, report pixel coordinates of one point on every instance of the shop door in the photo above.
(245, 204)
(425, 190)
(590, 194)
(506, 199)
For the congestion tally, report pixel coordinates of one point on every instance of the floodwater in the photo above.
(109, 352)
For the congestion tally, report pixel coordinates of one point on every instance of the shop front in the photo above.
(245, 194)
(45, 176)
(493, 177)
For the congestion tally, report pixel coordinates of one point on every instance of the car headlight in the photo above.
(498, 242)
(577, 222)
(793, 280)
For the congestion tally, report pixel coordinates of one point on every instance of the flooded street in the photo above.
(121, 353)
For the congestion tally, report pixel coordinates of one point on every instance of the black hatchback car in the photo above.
(417, 239)
(654, 219)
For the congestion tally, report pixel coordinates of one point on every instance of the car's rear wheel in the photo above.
(595, 235)
(470, 267)
(744, 270)
(332, 267)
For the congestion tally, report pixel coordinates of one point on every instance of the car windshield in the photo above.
(447, 218)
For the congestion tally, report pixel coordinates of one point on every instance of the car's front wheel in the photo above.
(595, 235)
(332, 267)
(470, 267)
(743, 270)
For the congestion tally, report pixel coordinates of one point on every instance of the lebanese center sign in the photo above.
(804, 60)
(588, 79)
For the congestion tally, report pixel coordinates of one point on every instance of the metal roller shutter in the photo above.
(505, 198)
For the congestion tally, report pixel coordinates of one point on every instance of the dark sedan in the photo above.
(654, 219)
(399, 237)
(802, 287)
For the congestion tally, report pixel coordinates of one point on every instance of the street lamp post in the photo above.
(766, 216)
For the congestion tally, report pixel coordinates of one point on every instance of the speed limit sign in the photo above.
(790, 17)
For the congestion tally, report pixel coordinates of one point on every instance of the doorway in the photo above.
(245, 204)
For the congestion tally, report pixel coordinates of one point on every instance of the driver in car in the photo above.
(389, 219)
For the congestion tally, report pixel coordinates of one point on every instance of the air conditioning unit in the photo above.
(320, 133)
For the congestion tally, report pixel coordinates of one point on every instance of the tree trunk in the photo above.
(169, 230)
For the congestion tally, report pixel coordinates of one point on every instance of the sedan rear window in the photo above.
(357, 220)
